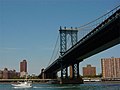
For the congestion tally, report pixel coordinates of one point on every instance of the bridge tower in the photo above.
(64, 32)
(74, 67)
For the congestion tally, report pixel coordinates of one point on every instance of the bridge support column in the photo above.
(74, 75)
(74, 70)
(64, 73)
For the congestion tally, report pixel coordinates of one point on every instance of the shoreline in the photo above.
(103, 82)
(100, 82)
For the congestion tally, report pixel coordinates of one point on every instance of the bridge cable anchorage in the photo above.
(54, 51)
(103, 16)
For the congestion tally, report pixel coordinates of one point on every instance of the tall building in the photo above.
(23, 68)
(110, 67)
(89, 71)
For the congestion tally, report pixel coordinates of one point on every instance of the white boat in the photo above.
(24, 84)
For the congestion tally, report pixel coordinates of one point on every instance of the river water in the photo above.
(88, 86)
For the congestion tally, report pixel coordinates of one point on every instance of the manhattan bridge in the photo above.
(79, 43)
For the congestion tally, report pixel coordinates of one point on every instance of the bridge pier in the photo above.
(74, 67)
(74, 77)
(74, 70)
(71, 81)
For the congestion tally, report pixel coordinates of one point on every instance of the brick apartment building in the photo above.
(23, 68)
(89, 71)
(9, 74)
(110, 67)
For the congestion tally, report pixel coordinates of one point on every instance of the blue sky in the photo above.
(29, 29)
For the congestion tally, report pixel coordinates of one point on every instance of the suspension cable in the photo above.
(53, 51)
(99, 17)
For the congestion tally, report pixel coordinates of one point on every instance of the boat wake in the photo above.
(20, 87)
(52, 87)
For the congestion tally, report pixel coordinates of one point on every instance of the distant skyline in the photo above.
(29, 29)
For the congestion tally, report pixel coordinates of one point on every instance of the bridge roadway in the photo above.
(104, 36)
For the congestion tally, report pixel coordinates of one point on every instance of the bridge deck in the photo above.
(104, 36)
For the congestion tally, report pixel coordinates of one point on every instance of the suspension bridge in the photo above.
(99, 35)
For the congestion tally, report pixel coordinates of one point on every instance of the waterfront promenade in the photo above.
(92, 80)
(20, 80)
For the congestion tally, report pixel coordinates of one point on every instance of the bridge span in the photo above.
(104, 36)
